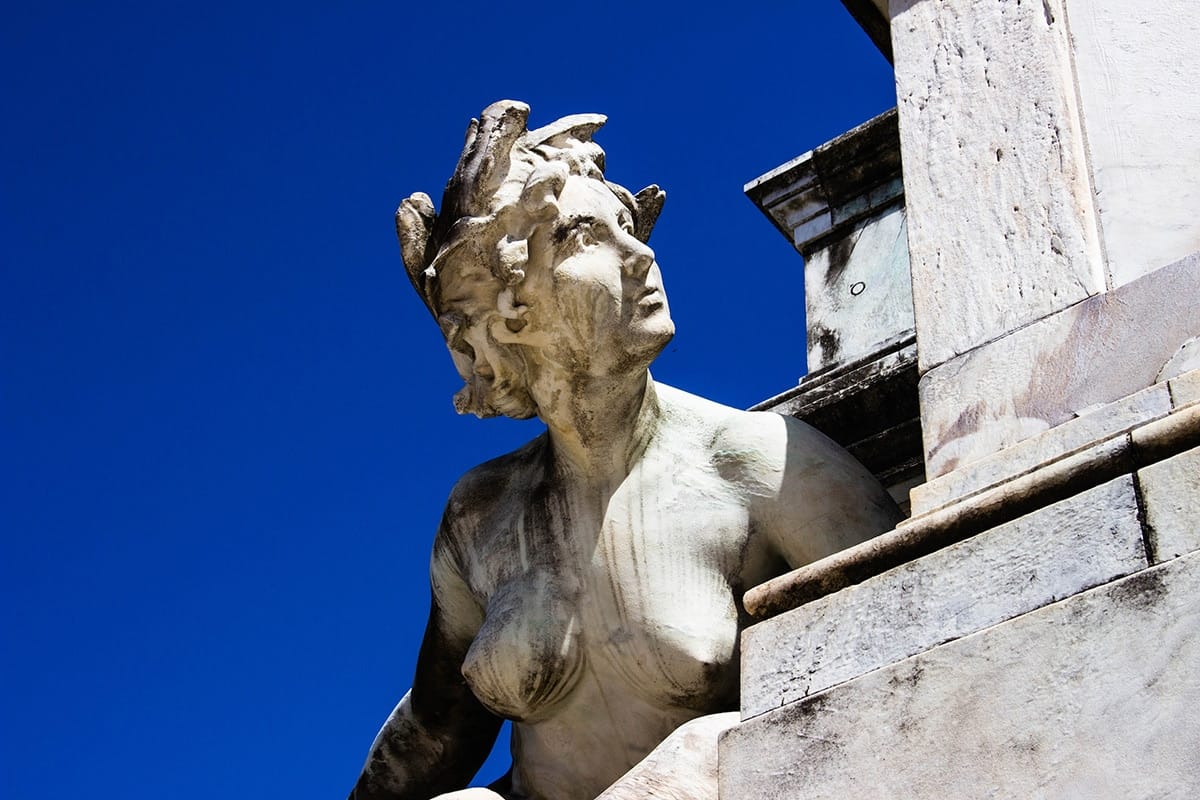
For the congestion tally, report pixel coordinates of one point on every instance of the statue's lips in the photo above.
(649, 298)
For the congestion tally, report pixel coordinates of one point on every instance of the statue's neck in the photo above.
(599, 427)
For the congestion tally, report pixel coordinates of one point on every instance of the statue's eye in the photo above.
(576, 233)
(585, 233)
(626, 222)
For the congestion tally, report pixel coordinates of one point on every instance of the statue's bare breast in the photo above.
(639, 581)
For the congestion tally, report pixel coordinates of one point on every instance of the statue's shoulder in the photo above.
(757, 441)
(491, 485)
(731, 433)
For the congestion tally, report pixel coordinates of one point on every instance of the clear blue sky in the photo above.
(227, 430)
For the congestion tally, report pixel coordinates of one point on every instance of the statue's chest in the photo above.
(661, 567)
(659, 605)
(632, 586)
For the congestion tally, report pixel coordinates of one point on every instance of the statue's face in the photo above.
(595, 290)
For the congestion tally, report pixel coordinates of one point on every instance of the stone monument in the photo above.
(589, 586)
(1033, 629)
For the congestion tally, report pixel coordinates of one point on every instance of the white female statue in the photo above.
(588, 586)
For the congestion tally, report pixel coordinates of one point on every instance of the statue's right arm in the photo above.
(439, 734)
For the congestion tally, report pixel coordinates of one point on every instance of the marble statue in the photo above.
(588, 585)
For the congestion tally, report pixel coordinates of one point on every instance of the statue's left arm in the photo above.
(439, 734)
(823, 501)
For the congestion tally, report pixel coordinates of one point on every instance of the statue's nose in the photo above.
(638, 257)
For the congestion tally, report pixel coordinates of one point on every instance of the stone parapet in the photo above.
(1025, 637)
(1093, 696)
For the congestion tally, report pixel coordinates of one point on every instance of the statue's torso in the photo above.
(612, 612)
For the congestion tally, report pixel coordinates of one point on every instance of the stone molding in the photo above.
(1043, 449)
(1092, 696)
(834, 185)
(917, 537)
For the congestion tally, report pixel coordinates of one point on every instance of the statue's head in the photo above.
(535, 256)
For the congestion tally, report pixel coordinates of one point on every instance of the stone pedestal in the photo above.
(1030, 630)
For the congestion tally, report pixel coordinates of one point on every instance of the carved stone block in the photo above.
(1002, 227)
(1171, 495)
(1094, 353)
(1042, 557)
(1041, 449)
(1095, 696)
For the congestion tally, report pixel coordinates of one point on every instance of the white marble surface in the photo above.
(1139, 82)
(1185, 389)
(1045, 556)
(857, 291)
(1040, 449)
(1092, 697)
(1171, 495)
(1002, 224)
(587, 586)
(1060, 368)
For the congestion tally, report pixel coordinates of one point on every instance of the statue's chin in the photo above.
(658, 336)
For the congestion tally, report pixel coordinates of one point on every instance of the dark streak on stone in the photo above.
(1141, 590)
(813, 704)
(1149, 550)
(911, 679)
(825, 338)
(839, 258)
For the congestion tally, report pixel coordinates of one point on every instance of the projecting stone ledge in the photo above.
(1095, 696)
(1053, 553)
(842, 206)
(870, 408)
(1060, 368)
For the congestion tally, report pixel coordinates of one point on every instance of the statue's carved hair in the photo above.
(505, 184)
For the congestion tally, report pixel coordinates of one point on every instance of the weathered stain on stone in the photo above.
(838, 258)
(1142, 590)
(829, 341)
(967, 423)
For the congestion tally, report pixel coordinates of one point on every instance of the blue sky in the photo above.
(227, 428)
